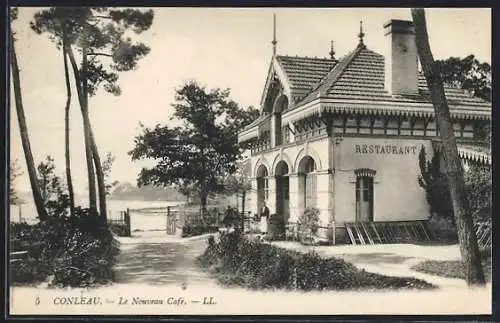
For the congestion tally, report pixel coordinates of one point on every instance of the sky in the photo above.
(219, 48)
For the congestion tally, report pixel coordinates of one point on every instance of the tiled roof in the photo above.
(357, 81)
(304, 72)
(360, 75)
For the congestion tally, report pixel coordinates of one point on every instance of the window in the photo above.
(364, 195)
(309, 178)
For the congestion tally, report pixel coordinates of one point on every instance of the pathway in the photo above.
(160, 260)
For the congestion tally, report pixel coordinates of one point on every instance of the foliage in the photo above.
(468, 74)
(435, 184)
(197, 230)
(14, 172)
(198, 155)
(478, 184)
(235, 260)
(107, 163)
(52, 188)
(119, 229)
(239, 182)
(308, 224)
(479, 190)
(474, 77)
(76, 251)
(103, 31)
(276, 227)
(97, 33)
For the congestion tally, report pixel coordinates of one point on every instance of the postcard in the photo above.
(250, 161)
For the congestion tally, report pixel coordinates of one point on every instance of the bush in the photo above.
(276, 227)
(478, 184)
(237, 260)
(197, 229)
(77, 251)
(119, 229)
(308, 225)
(443, 229)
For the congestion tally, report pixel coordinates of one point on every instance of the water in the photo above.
(27, 212)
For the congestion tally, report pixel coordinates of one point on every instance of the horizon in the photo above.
(220, 48)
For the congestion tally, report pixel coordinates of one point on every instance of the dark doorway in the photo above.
(282, 190)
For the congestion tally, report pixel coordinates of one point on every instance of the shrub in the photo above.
(276, 227)
(308, 224)
(443, 229)
(119, 229)
(237, 260)
(76, 251)
(478, 184)
(197, 229)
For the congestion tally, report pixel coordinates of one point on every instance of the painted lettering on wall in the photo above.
(385, 149)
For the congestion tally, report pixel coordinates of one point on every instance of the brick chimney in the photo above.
(401, 61)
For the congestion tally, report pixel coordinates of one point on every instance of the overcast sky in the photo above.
(226, 48)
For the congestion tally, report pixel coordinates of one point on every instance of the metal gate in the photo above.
(149, 220)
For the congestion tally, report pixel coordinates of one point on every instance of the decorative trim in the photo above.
(365, 172)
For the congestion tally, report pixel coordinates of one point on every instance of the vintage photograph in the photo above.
(249, 161)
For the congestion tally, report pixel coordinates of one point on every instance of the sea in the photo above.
(141, 219)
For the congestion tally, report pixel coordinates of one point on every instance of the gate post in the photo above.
(127, 222)
(168, 221)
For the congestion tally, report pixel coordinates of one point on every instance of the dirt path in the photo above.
(160, 263)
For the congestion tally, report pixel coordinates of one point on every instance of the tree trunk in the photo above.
(100, 176)
(81, 86)
(69, 181)
(23, 129)
(453, 167)
(88, 135)
(203, 201)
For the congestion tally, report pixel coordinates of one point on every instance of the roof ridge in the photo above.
(308, 57)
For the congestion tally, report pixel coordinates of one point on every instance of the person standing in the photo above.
(264, 217)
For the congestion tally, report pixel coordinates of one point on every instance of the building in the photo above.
(344, 135)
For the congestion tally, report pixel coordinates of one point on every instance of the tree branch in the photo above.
(99, 54)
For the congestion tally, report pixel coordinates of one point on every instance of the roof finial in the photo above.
(361, 34)
(332, 52)
(274, 42)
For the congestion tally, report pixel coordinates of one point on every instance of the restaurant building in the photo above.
(344, 135)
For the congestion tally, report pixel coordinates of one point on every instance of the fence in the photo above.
(119, 222)
(191, 215)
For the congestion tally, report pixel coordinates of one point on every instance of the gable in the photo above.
(304, 73)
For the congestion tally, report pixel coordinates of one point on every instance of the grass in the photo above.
(450, 268)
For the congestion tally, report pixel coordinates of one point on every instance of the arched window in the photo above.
(262, 185)
(282, 189)
(364, 194)
(280, 106)
(307, 182)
